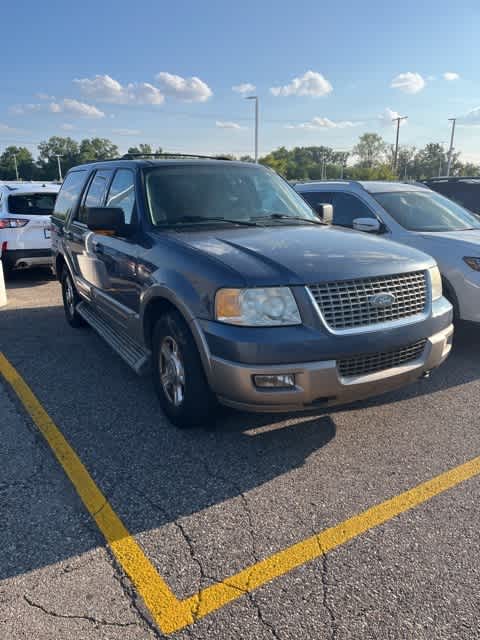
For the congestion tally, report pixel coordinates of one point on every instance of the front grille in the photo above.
(346, 304)
(363, 365)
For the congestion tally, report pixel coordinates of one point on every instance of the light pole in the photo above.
(16, 165)
(60, 177)
(256, 124)
(398, 121)
(450, 151)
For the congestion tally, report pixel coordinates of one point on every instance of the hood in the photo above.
(296, 255)
(469, 236)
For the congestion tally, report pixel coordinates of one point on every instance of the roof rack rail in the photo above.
(137, 156)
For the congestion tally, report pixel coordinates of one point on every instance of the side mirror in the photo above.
(107, 220)
(325, 212)
(369, 225)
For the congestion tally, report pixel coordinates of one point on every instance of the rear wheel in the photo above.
(179, 378)
(70, 300)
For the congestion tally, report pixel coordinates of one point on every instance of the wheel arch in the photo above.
(161, 301)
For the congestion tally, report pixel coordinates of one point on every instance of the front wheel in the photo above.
(70, 301)
(179, 378)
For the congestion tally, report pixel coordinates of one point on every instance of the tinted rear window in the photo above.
(32, 204)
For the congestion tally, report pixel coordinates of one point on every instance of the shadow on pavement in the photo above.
(112, 419)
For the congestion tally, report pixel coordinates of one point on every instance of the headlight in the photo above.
(436, 282)
(473, 263)
(274, 306)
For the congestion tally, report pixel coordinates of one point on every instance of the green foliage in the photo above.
(97, 149)
(25, 164)
(370, 150)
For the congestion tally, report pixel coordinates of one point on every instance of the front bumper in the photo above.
(318, 384)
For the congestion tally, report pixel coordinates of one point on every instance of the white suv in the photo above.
(25, 209)
(414, 215)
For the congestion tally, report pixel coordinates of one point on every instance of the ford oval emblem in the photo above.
(381, 300)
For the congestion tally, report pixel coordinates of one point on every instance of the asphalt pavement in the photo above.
(204, 504)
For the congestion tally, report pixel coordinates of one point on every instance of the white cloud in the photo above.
(66, 126)
(408, 82)
(44, 96)
(324, 123)
(471, 119)
(7, 128)
(386, 118)
(187, 89)
(82, 109)
(21, 109)
(310, 84)
(107, 89)
(127, 132)
(228, 125)
(450, 75)
(244, 88)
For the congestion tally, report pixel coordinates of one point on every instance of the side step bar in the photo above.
(130, 351)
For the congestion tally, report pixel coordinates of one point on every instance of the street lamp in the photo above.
(450, 151)
(16, 165)
(398, 120)
(60, 177)
(256, 124)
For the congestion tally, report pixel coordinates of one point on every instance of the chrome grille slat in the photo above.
(345, 304)
(373, 362)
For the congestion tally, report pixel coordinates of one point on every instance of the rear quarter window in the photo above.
(69, 194)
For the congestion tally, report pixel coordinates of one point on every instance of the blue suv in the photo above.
(217, 278)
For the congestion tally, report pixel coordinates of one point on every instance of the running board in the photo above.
(136, 356)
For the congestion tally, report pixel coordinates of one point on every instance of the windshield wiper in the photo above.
(194, 219)
(285, 216)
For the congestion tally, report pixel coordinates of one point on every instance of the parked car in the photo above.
(464, 191)
(25, 209)
(218, 278)
(415, 216)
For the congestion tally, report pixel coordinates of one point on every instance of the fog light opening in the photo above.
(278, 381)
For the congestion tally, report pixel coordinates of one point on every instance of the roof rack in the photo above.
(137, 156)
(451, 178)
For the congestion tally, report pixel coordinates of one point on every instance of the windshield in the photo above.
(36, 204)
(426, 211)
(196, 194)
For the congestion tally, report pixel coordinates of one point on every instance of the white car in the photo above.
(25, 209)
(416, 216)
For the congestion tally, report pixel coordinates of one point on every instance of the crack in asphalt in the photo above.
(95, 621)
(324, 578)
(251, 529)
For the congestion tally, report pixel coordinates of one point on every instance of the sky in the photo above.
(175, 74)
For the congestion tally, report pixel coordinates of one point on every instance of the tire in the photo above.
(70, 301)
(178, 374)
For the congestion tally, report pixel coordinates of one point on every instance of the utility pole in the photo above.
(60, 177)
(450, 151)
(256, 124)
(398, 121)
(16, 165)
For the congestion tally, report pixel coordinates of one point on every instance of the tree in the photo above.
(67, 148)
(144, 148)
(405, 160)
(380, 172)
(247, 158)
(25, 165)
(370, 150)
(97, 149)
(432, 160)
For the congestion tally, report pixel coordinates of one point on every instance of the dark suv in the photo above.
(218, 278)
(465, 191)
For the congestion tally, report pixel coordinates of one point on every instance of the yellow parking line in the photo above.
(170, 613)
